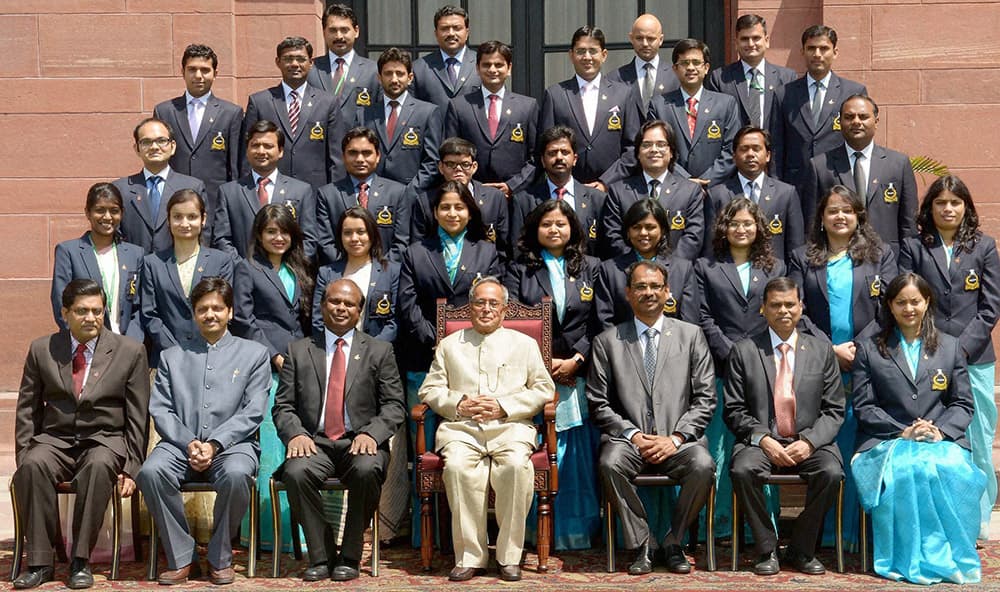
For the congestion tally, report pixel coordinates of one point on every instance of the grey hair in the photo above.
(489, 279)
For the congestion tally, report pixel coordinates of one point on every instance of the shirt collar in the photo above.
(793, 340)
(356, 182)
(867, 150)
(486, 94)
(288, 90)
(640, 64)
(568, 187)
(401, 99)
(347, 57)
(331, 338)
(596, 81)
(91, 345)
(460, 56)
(273, 177)
(222, 342)
(640, 327)
(203, 99)
(146, 174)
(825, 80)
(759, 181)
(697, 95)
(649, 178)
(746, 67)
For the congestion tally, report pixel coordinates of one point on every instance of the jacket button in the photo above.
(914, 397)
(208, 387)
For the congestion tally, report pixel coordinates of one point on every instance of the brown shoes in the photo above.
(175, 576)
(464, 574)
(510, 573)
(221, 577)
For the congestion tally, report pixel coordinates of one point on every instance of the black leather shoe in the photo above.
(510, 573)
(343, 573)
(677, 562)
(767, 565)
(316, 573)
(34, 577)
(80, 576)
(643, 563)
(807, 565)
(464, 574)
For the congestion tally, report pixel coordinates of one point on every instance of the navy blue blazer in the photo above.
(588, 203)
(238, 206)
(607, 154)
(731, 79)
(572, 335)
(870, 282)
(665, 81)
(422, 280)
(139, 226)
(966, 295)
(709, 155)
(726, 313)
(680, 197)
(795, 140)
(430, 80)
(313, 154)
(492, 203)
(380, 312)
(887, 399)
(613, 308)
(363, 74)
(891, 196)
(166, 314)
(411, 156)
(779, 204)
(213, 156)
(75, 259)
(389, 202)
(262, 311)
(510, 156)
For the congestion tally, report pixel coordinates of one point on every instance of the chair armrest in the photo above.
(418, 414)
(549, 413)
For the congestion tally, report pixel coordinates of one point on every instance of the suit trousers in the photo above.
(469, 471)
(231, 474)
(692, 466)
(93, 471)
(822, 471)
(362, 473)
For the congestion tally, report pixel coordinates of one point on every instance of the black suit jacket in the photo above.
(410, 157)
(373, 391)
(779, 203)
(666, 81)
(379, 316)
(588, 203)
(509, 157)
(731, 80)
(890, 198)
(363, 74)
(262, 310)
(709, 155)
(492, 204)
(430, 80)
(748, 404)
(389, 202)
(680, 197)
(139, 226)
(613, 308)
(112, 410)
(966, 294)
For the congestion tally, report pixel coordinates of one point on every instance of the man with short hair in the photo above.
(306, 115)
(389, 202)
(144, 221)
(487, 383)
(239, 201)
(449, 72)
(646, 73)
(408, 128)
(778, 201)
(601, 112)
(806, 118)
(209, 127)
(500, 123)
(341, 71)
(80, 417)
(557, 155)
(704, 121)
(458, 163)
(882, 178)
(784, 402)
(208, 402)
(751, 80)
(339, 401)
(651, 390)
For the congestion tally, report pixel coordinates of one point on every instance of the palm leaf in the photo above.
(926, 164)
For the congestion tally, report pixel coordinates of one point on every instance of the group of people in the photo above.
(743, 283)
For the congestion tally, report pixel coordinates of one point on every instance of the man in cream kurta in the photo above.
(487, 383)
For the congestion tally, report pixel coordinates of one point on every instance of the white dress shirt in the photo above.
(590, 92)
(331, 348)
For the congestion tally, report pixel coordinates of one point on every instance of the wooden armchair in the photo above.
(536, 322)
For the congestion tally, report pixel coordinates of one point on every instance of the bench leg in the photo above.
(737, 527)
(609, 519)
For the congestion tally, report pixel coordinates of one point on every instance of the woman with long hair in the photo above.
(552, 261)
(913, 468)
(961, 265)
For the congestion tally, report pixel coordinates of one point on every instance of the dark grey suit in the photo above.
(665, 81)
(681, 401)
(731, 79)
(709, 155)
(389, 202)
(363, 74)
(263, 311)
(410, 157)
(139, 226)
(682, 199)
(779, 204)
(430, 79)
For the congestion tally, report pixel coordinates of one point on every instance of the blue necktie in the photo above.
(452, 69)
(153, 184)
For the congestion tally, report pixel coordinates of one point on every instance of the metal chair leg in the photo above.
(840, 527)
(254, 517)
(864, 541)
(15, 566)
(276, 529)
(609, 519)
(710, 528)
(153, 550)
(376, 544)
(737, 527)
(116, 531)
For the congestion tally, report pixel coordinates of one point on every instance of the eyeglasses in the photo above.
(734, 225)
(689, 63)
(454, 166)
(147, 143)
(585, 51)
(481, 304)
(293, 59)
(644, 287)
(657, 145)
(82, 311)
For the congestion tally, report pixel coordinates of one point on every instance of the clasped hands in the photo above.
(480, 408)
(786, 456)
(564, 371)
(922, 430)
(200, 454)
(304, 446)
(654, 449)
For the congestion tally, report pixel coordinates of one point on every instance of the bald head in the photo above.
(646, 36)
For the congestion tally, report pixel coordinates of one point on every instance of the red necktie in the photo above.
(293, 112)
(390, 125)
(363, 195)
(262, 191)
(79, 369)
(493, 117)
(784, 396)
(338, 77)
(560, 193)
(692, 113)
(333, 419)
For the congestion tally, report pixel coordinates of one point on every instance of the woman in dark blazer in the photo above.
(272, 291)
(914, 470)
(731, 294)
(552, 261)
(357, 236)
(168, 276)
(100, 255)
(961, 265)
(648, 232)
(843, 270)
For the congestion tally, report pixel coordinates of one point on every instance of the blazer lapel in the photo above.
(805, 109)
(939, 256)
(770, 75)
(729, 270)
(875, 170)
(664, 349)
(705, 108)
(358, 351)
(137, 185)
(182, 126)
(842, 167)
(479, 111)
(575, 101)
(63, 358)
(633, 346)
(767, 360)
(281, 108)
(317, 353)
(272, 275)
(199, 268)
(99, 365)
(820, 273)
(250, 195)
(212, 110)
(742, 88)
(899, 358)
(545, 281)
(436, 63)
(89, 257)
(680, 117)
(437, 261)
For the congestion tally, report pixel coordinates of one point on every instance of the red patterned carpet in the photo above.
(400, 571)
